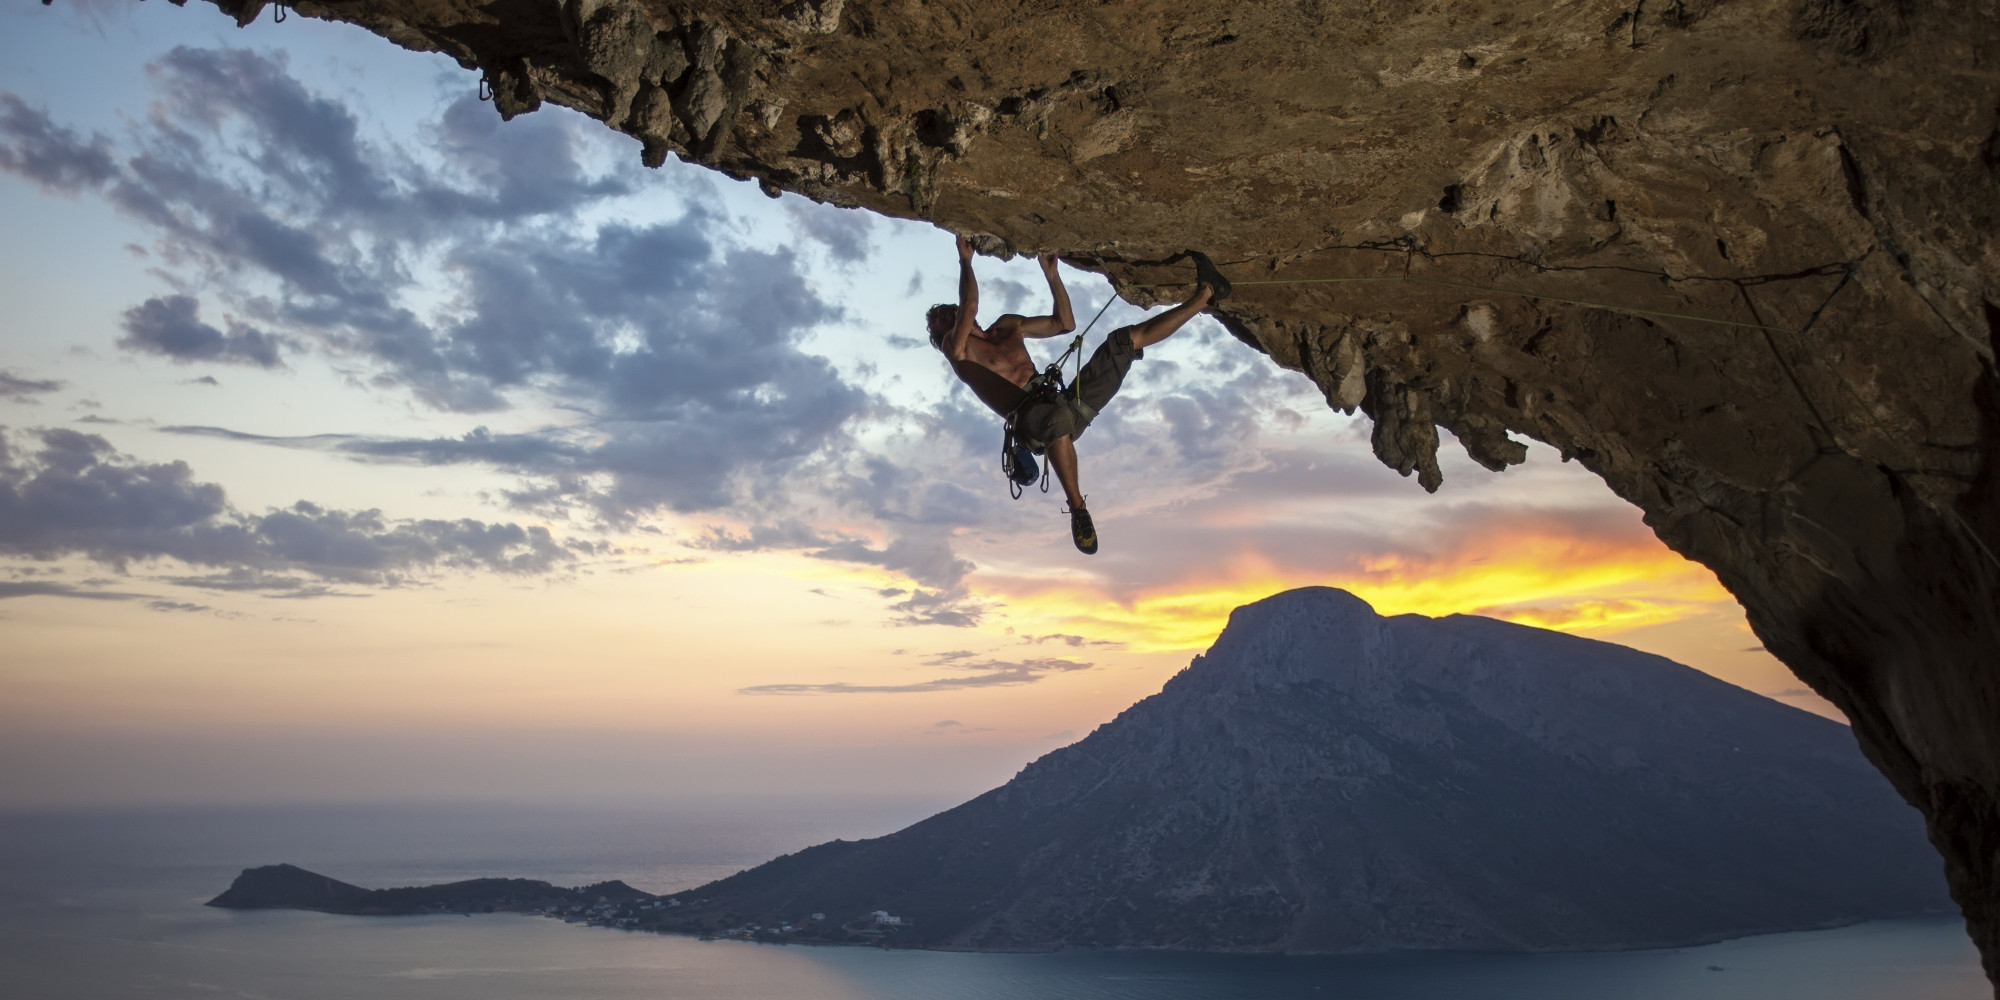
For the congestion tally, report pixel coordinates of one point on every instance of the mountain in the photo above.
(1328, 780)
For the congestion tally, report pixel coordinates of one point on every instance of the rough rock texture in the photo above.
(1327, 780)
(1825, 173)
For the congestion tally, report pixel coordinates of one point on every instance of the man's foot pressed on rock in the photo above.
(1206, 273)
(1082, 531)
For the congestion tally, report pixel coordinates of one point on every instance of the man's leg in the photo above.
(1158, 328)
(1062, 458)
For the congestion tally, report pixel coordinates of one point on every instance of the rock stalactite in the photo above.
(1737, 259)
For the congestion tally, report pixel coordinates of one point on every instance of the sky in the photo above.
(358, 446)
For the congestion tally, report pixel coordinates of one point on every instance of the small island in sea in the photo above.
(1328, 780)
(605, 904)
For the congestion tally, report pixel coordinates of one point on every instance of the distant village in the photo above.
(671, 916)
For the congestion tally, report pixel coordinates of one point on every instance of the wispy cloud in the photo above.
(50, 588)
(953, 727)
(18, 389)
(74, 494)
(982, 673)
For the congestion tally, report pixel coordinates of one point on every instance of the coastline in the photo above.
(614, 905)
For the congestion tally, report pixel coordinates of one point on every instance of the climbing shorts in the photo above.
(1043, 421)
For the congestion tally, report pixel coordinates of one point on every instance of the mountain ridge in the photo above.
(1278, 796)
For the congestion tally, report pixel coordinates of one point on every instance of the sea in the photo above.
(107, 904)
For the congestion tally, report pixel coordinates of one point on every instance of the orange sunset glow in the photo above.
(1548, 582)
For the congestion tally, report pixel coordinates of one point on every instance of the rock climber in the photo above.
(994, 364)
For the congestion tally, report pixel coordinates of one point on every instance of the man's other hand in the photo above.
(964, 249)
(1048, 264)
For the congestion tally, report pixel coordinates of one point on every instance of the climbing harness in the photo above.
(1017, 453)
(1017, 450)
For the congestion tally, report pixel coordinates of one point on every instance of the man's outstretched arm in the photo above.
(1061, 321)
(968, 303)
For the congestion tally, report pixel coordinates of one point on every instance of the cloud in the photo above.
(172, 327)
(682, 350)
(53, 158)
(953, 727)
(1073, 641)
(178, 606)
(760, 537)
(243, 579)
(924, 554)
(75, 494)
(954, 608)
(843, 231)
(1587, 613)
(926, 559)
(49, 588)
(470, 272)
(1011, 296)
(987, 673)
(683, 347)
(15, 388)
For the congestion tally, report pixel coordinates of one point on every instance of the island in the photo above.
(1327, 780)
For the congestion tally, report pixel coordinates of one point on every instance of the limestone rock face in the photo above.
(1736, 258)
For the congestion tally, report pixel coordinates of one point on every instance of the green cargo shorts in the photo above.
(1042, 422)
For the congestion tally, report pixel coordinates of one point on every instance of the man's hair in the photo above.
(945, 310)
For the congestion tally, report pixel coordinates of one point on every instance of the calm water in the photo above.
(108, 905)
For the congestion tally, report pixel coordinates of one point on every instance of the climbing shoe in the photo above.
(1205, 273)
(1082, 531)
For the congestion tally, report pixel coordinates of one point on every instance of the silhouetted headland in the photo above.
(288, 887)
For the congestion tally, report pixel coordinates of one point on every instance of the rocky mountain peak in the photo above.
(1324, 779)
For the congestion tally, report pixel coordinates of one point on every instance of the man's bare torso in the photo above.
(1000, 351)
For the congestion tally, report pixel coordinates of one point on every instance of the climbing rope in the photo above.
(1409, 249)
(1491, 290)
(1076, 345)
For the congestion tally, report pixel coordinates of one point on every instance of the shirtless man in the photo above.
(994, 363)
